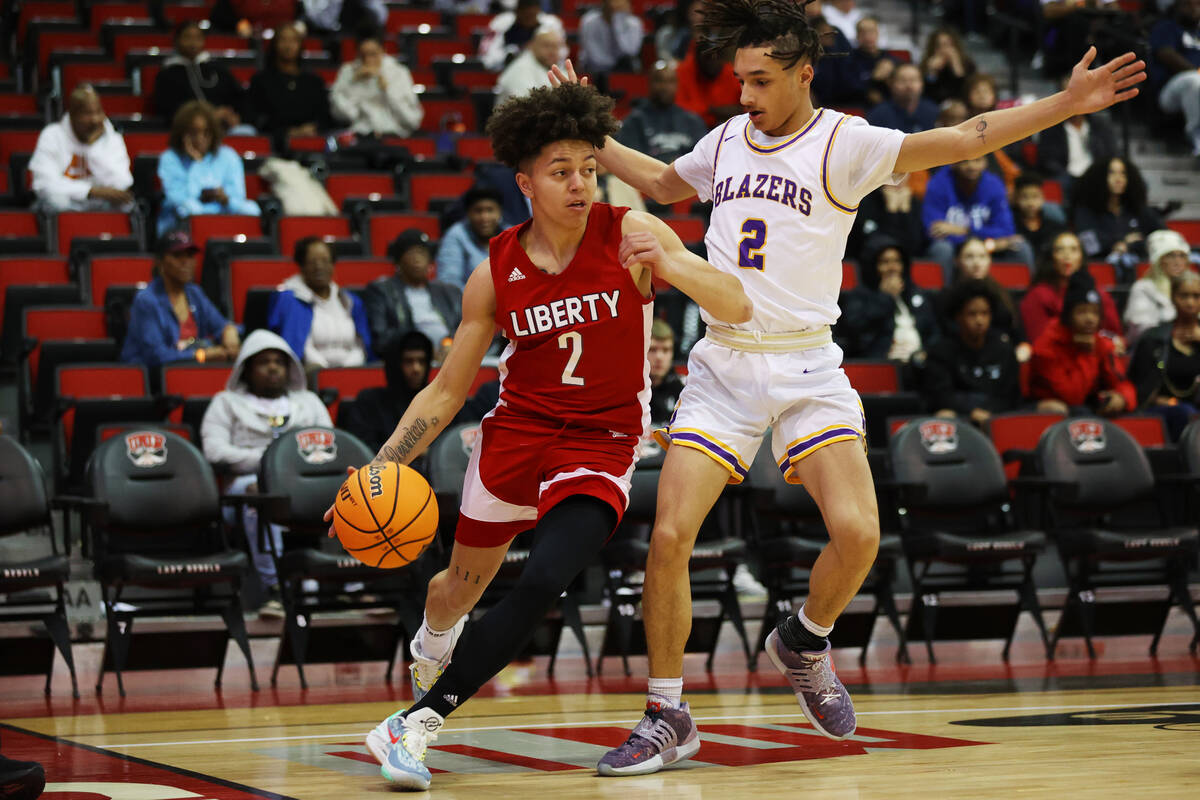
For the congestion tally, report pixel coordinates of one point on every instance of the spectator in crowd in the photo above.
(979, 93)
(674, 37)
(530, 69)
(1175, 66)
(887, 316)
(892, 211)
(373, 94)
(962, 199)
(945, 65)
(665, 383)
(973, 262)
(465, 243)
(172, 319)
(334, 16)
(80, 162)
(906, 110)
(1044, 300)
(409, 300)
(845, 16)
(1166, 362)
(836, 81)
(659, 127)
(1037, 221)
(1074, 367)
(1111, 214)
(973, 372)
(707, 86)
(1150, 301)
(191, 74)
(318, 319)
(375, 412)
(509, 33)
(610, 38)
(286, 99)
(1067, 150)
(264, 397)
(872, 66)
(199, 174)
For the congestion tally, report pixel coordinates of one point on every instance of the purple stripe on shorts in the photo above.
(797, 450)
(721, 453)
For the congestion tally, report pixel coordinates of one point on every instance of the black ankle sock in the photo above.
(798, 638)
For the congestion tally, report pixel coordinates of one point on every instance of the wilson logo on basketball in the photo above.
(1087, 436)
(939, 437)
(146, 449)
(316, 446)
(376, 481)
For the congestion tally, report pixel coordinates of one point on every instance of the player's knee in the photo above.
(670, 544)
(855, 534)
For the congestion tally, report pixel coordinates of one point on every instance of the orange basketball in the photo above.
(385, 515)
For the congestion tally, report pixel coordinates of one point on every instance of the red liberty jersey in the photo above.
(578, 339)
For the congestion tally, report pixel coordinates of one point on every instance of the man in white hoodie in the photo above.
(80, 162)
(264, 397)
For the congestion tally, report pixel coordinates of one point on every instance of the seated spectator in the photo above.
(315, 316)
(1074, 368)
(951, 112)
(1067, 150)
(465, 243)
(80, 162)
(172, 319)
(979, 93)
(845, 16)
(972, 372)
(190, 74)
(335, 16)
(373, 94)
(264, 397)
(1175, 66)
(707, 86)
(835, 81)
(905, 110)
(285, 98)
(892, 211)
(658, 126)
(1044, 300)
(409, 301)
(665, 383)
(1166, 362)
(1111, 214)
(964, 199)
(945, 65)
(873, 66)
(610, 38)
(1037, 221)
(973, 262)
(530, 69)
(509, 33)
(374, 414)
(199, 174)
(1150, 302)
(887, 316)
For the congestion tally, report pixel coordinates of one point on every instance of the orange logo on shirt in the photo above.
(78, 168)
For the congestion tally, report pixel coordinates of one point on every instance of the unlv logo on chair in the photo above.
(939, 437)
(146, 449)
(317, 447)
(1087, 437)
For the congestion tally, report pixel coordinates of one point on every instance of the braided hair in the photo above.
(783, 26)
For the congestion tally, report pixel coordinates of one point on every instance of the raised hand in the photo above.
(559, 77)
(1091, 90)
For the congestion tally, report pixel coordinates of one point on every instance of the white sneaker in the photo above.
(746, 584)
(405, 762)
(425, 671)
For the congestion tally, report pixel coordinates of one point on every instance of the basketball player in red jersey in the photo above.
(571, 289)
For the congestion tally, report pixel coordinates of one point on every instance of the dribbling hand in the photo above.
(328, 516)
(558, 77)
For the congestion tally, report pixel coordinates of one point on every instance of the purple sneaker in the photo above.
(664, 736)
(822, 697)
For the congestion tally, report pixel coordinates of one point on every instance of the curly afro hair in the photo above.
(521, 126)
(782, 25)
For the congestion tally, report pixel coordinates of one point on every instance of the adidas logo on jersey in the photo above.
(516, 275)
(452, 699)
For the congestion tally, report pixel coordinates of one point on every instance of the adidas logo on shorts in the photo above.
(516, 275)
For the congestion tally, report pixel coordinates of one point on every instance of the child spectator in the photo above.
(1036, 221)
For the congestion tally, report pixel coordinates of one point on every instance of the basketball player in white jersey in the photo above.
(785, 180)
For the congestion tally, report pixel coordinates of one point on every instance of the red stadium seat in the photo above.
(1142, 268)
(306, 144)
(146, 143)
(1103, 273)
(98, 382)
(102, 224)
(176, 13)
(473, 79)
(359, 184)
(476, 148)
(51, 40)
(1147, 429)
(1053, 191)
(292, 229)
(349, 381)
(122, 43)
(1010, 276)
(255, 273)
(466, 24)
(18, 223)
(849, 275)
(249, 146)
(361, 271)
(1018, 432)
(1189, 228)
(423, 187)
(431, 47)
(17, 142)
(874, 377)
(60, 9)
(384, 229)
(223, 226)
(438, 110)
(60, 323)
(30, 271)
(398, 18)
(928, 275)
(125, 104)
(102, 12)
(192, 382)
(18, 104)
(117, 271)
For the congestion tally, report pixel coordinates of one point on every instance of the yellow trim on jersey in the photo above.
(776, 148)
(837, 204)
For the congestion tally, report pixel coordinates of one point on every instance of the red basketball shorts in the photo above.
(521, 468)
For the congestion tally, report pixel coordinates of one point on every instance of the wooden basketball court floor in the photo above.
(1124, 725)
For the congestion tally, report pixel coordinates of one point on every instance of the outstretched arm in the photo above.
(1089, 90)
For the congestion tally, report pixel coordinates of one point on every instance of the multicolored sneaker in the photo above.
(822, 697)
(664, 736)
(425, 671)
(405, 762)
(385, 735)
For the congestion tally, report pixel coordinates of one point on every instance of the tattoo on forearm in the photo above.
(411, 437)
(981, 126)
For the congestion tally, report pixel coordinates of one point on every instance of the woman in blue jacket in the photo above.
(322, 323)
(200, 175)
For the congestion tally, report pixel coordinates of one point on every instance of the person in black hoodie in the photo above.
(286, 98)
(886, 317)
(973, 372)
(190, 74)
(374, 413)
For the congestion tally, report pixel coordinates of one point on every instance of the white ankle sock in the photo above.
(812, 627)
(432, 644)
(668, 689)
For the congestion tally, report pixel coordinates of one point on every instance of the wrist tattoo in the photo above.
(408, 440)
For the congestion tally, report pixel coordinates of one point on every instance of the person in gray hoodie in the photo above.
(264, 397)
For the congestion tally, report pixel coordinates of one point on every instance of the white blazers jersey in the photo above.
(783, 207)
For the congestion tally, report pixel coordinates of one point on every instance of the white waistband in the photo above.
(761, 342)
